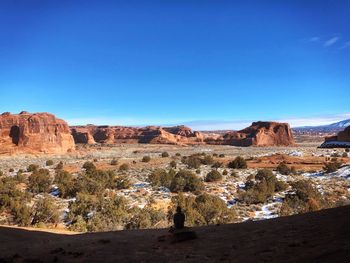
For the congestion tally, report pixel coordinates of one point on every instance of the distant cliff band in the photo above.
(43, 132)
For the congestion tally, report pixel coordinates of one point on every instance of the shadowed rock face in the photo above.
(344, 136)
(151, 134)
(342, 140)
(258, 134)
(32, 133)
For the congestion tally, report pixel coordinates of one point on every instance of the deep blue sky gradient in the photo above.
(168, 62)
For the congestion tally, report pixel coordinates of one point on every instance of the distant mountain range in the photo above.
(330, 128)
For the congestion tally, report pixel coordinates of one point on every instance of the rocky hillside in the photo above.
(330, 128)
(34, 133)
(322, 236)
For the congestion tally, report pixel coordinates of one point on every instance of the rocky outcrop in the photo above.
(34, 133)
(341, 140)
(258, 134)
(151, 134)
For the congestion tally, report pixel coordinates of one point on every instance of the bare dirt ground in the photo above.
(322, 236)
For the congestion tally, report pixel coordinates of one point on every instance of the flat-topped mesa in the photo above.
(341, 140)
(258, 134)
(34, 133)
(151, 134)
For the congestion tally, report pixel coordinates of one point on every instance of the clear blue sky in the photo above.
(203, 63)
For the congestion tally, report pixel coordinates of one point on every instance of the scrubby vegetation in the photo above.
(238, 163)
(182, 181)
(194, 161)
(205, 209)
(49, 162)
(283, 168)
(213, 176)
(305, 199)
(146, 159)
(165, 154)
(40, 181)
(264, 186)
(331, 166)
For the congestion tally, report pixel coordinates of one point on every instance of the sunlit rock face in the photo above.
(34, 133)
(180, 135)
(258, 134)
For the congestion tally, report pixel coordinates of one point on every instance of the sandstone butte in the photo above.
(34, 133)
(258, 134)
(342, 139)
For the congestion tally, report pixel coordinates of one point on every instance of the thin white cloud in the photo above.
(314, 39)
(331, 41)
(346, 45)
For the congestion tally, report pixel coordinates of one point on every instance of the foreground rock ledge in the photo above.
(322, 236)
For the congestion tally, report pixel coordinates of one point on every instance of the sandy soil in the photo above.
(323, 236)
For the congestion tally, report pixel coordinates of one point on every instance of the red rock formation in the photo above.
(150, 134)
(341, 140)
(258, 134)
(32, 133)
(344, 136)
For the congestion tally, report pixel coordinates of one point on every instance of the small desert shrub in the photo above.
(49, 162)
(282, 168)
(238, 163)
(347, 150)
(331, 167)
(114, 161)
(146, 159)
(213, 176)
(122, 182)
(66, 183)
(39, 181)
(265, 186)
(224, 172)
(177, 154)
(186, 181)
(11, 170)
(217, 165)
(335, 155)
(89, 166)
(32, 168)
(221, 155)
(250, 177)
(46, 211)
(172, 164)
(165, 154)
(305, 199)
(95, 160)
(344, 155)
(198, 171)
(124, 167)
(59, 166)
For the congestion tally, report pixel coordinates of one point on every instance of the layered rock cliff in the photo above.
(34, 133)
(151, 134)
(258, 134)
